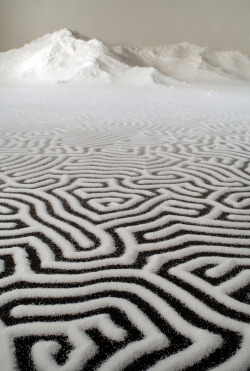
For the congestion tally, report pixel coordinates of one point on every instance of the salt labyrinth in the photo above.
(124, 228)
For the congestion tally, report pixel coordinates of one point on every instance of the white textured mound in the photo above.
(65, 56)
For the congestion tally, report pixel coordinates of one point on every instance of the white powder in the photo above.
(64, 56)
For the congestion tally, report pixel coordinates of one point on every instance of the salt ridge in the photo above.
(124, 214)
(65, 56)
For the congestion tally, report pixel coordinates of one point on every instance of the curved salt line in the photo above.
(66, 247)
(164, 309)
(15, 160)
(37, 162)
(190, 138)
(84, 347)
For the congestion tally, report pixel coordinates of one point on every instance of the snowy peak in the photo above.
(66, 56)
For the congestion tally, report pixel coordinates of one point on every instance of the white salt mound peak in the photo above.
(66, 56)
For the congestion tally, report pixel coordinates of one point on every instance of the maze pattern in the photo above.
(125, 245)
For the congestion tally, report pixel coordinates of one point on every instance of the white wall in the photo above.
(222, 24)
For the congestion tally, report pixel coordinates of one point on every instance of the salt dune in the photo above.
(124, 207)
(65, 56)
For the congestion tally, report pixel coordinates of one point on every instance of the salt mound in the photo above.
(65, 56)
(56, 57)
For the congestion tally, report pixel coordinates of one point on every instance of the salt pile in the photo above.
(65, 56)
